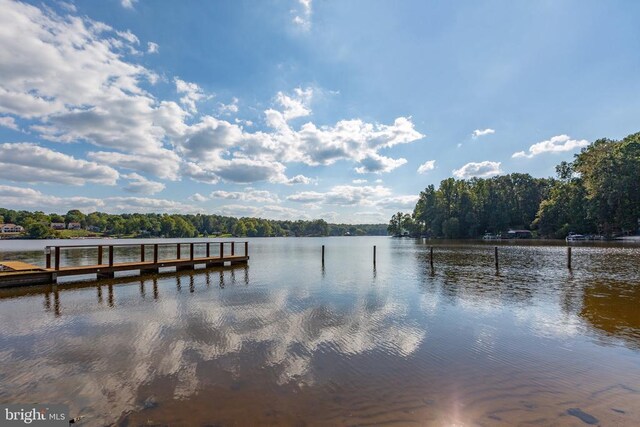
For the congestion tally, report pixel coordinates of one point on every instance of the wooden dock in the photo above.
(17, 273)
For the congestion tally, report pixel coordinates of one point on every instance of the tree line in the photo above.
(38, 225)
(597, 193)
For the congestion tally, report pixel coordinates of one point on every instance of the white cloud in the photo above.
(557, 144)
(192, 94)
(427, 166)
(197, 197)
(478, 132)
(8, 122)
(303, 18)
(164, 163)
(297, 105)
(29, 198)
(152, 47)
(399, 202)
(28, 162)
(299, 179)
(140, 184)
(344, 195)
(248, 195)
(128, 4)
(481, 170)
(359, 181)
(375, 163)
(230, 108)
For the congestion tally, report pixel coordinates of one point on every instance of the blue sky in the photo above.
(342, 110)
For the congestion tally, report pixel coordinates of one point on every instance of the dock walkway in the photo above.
(18, 273)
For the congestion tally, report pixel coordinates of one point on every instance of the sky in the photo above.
(300, 109)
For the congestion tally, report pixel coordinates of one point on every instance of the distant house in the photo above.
(11, 228)
(74, 226)
(58, 225)
(94, 228)
(519, 234)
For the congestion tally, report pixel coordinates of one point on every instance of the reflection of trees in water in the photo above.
(614, 308)
(106, 348)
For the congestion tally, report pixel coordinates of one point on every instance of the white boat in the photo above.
(489, 236)
(574, 237)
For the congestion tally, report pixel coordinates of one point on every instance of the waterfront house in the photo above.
(11, 228)
(58, 225)
(74, 226)
(519, 234)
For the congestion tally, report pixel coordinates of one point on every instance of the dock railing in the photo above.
(225, 250)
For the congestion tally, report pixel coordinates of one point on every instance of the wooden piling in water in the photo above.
(57, 257)
(191, 246)
(496, 256)
(110, 256)
(178, 251)
(99, 254)
(322, 254)
(142, 253)
(431, 257)
(155, 253)
(374, 255)
(221, 249)
(233, 248)
(569, 257)
(246, 248)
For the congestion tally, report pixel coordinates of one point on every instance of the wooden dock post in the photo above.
(233, 248)
(191, 246)
(155, 253)
(374, 255)
(208, 249)
(496, 255)
(221, 249)
(246, 248)
(57, 257)
(99, 254)
(48, 256)
(110, 256)
(178, 251)
(322, 254)
(569, 257)
(142, 253)
(431, 257)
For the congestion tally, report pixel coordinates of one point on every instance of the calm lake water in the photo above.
(286, 341)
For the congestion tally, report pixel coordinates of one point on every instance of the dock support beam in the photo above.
(191, 246)
(141, 253)
(374, 255)
(99, 255)
(110, 256)
(233, 248)
(496, 257)
(246, 248)
(155, 253)
(178, 251)
(208, 249)
(569, 257)
(322, 254)
(221, 249)
(57, 257)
